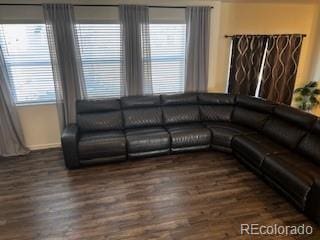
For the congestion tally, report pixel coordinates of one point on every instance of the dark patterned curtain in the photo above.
(280, 68)
(246, 59)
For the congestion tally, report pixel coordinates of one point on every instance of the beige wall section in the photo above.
(315, 58)
(264, 18)
(40, 126)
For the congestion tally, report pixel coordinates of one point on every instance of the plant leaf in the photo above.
(316, 91)
(313, 100)
(311, 85)
(298, 90)
(305, 91)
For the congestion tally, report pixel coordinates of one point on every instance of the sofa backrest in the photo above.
(99, 115)
(309, 145)
(288, 125)
(180, 108)
(252, 112)
(216, 106)
(141, 111)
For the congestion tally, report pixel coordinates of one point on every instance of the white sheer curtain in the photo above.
(63, 44)
(136, 53)
(197, 48)
(11, 134)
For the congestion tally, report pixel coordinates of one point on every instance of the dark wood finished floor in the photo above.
(189, 196)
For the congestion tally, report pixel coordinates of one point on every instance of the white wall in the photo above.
(40, 126)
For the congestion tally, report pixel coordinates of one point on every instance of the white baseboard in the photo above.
(44, 146)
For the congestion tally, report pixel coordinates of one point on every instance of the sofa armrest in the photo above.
(69, 142)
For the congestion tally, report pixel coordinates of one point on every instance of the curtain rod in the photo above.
(88, 5)
(228, 36)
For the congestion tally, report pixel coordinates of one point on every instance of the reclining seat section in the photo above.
(253, 148)
(101, 136)
(182, 120)
(291, 172)
(281, 133)
(144, 129)
(216, 111)
(273, 154)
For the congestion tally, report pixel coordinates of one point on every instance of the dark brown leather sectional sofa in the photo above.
(279, 143)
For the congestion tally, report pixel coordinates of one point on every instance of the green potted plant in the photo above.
(307, 96)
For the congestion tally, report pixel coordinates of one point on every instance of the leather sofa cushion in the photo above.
(181, 114)
(224, 132)
(249, 118)
(102, 144)
(142, 117)
(147, 139)
(188, 135)
(140, 101)
(252, 112)
(256, 147)
(216, 113)
(283, 132)
(293, 173)
(295, 116)
(216, 99)
(101, 121)
(96, 106)
(309, 145)
(179, 99)
(255, 104)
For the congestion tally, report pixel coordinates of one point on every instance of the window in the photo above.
(168, 43)
(100, 50)
(26, 53)
(100, 57)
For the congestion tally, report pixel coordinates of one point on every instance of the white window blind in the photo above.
(100, 57)
(168, 43)
(26, 54)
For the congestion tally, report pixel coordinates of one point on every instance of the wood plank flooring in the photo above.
(191, 196)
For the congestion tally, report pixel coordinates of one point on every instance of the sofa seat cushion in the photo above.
(102, 144)
(147, 140)
(189, 136)
(224, 132)
(293, 173)
(256, 147)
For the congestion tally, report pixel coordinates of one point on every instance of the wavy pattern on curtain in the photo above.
(280, 69)
(246, 59)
